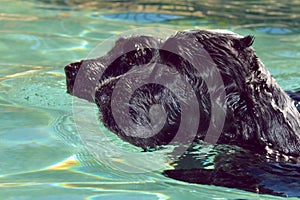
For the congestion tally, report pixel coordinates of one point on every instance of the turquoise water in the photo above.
(41, 154)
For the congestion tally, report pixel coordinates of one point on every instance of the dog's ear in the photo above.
(244, 42)
(247, 41)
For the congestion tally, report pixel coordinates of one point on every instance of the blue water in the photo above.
(42, 156)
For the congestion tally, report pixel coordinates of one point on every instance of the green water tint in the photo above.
(276, 12)
(41, 154)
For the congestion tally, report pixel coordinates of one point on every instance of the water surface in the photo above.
(41, 154)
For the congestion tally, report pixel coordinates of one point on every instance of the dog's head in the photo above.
(257, 112)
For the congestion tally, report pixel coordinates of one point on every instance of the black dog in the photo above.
(262, 123)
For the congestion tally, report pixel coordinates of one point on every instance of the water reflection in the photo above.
(38, 135)
(273, 16)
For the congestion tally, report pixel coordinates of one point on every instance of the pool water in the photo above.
(42, 156)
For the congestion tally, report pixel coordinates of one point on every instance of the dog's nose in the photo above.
(71, 71)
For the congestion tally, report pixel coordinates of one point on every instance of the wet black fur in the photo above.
(259, 114)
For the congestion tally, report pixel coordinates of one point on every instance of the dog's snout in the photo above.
(71, 71)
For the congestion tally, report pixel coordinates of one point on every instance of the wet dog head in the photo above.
(258, 112)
